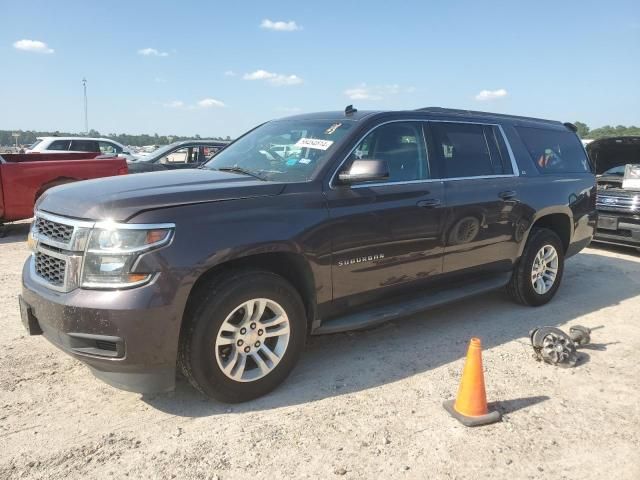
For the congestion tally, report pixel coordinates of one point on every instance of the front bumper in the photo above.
(128, 338)
(620, 229)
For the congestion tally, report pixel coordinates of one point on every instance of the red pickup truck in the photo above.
(24, 177)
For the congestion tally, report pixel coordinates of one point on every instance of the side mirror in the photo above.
(364, 171)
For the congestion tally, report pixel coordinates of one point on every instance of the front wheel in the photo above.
(243, 336)
(536, 278)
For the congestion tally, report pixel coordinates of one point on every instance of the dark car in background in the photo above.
(617, 161)
(178, 155)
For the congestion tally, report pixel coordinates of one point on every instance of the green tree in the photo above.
(583, 129)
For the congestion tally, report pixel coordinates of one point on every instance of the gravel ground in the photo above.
(360, 405)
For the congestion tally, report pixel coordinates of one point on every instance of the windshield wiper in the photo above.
(237, 169)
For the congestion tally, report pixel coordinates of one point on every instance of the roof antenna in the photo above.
(350, 110)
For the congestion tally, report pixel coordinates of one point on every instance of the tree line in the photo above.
(607, 131)
(29, 136)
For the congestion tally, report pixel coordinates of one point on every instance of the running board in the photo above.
(375, 316)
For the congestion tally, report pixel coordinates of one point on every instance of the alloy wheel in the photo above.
(252, 340)
(544, 269)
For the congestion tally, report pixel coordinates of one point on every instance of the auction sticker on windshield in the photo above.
(316, 143)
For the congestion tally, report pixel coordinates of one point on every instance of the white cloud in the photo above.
(35, 46)
(259, 75)
(204, 103)
(210, 103)
(485, 95)
(152, 52)
(174, 104)
(280, 26)
(276, 79)
(375, 92)
(229, 73)
(160, 80)
(361, 93)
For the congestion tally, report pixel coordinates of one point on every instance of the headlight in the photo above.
(112, 252)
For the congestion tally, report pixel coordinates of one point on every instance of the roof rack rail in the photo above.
(458, 111)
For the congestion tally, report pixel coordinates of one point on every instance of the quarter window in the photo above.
(401, 146)
(555, 151)
(469, 150)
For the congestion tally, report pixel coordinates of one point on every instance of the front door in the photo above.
(387, 234)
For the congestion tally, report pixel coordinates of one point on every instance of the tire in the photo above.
(218, 329)
(521, 286)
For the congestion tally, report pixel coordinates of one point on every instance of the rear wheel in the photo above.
(537, 276)
(243, 336)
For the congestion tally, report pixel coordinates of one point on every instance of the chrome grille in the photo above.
(55, 231)
(50, 268)
(618, 203)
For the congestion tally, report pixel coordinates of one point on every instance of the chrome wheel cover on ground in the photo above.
(252, 340)
(545, 269)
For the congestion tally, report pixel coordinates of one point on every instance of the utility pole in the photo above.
(86, 118)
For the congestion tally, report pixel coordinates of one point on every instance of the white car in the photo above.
(104, 146)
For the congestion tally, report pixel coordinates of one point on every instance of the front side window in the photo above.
(59, 145)
(401, 146)
(181, 155)
(108, 148)
(283, 150)
(554, 151)
(464, 150)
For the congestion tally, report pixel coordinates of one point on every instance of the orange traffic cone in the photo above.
(471, 405)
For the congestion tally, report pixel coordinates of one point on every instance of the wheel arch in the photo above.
(558, 220)
(292, 266)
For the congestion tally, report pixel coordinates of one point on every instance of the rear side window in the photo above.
(554, 151)
(84, 146)
(59, 145)
(469, 150)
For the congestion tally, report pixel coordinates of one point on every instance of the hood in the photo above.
(610, 152)
(121, 197)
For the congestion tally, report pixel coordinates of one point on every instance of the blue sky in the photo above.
(219, 68)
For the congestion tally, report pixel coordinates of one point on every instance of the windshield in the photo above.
(284, 150)
(619, 170)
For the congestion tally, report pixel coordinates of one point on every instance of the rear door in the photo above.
(481, 188)
(387, 233)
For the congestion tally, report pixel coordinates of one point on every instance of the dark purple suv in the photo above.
(312, 224)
